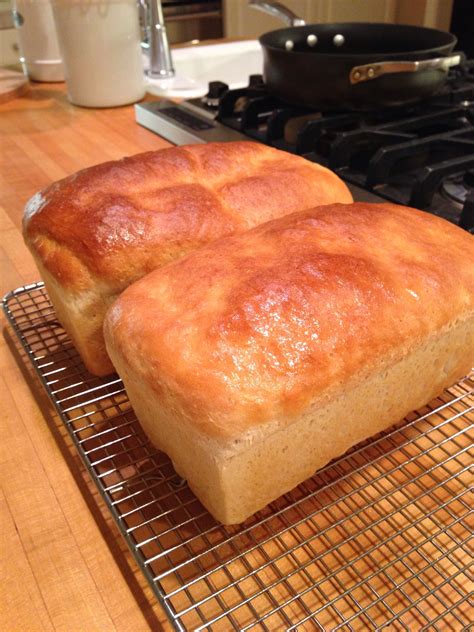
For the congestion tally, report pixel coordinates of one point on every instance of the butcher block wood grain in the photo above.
(64, 564)
(13, 84)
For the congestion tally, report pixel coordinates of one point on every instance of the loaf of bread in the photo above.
(94, 233)
(254, 361)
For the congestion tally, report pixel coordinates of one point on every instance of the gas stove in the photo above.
(421, 155)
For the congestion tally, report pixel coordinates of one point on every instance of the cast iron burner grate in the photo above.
(404, 155)
(377, 539)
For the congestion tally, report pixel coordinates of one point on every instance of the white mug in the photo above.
(39, 46)
(101, 49)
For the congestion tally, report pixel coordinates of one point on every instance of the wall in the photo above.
(431, 13)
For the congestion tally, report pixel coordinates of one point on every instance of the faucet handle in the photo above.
(278, 10)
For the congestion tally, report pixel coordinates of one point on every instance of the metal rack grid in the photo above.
(379, 538)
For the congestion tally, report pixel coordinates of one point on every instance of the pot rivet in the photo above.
(312, 40)
(338, 40)
(357, 75)
(289, 44)
(370, 72)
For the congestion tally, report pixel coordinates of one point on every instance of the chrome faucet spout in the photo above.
(278, 10)
(161, 63)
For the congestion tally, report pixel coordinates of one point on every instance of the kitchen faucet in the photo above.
(156, 40)
(160, 61)
(278, 10)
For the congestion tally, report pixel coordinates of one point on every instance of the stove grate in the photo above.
(401, 154)
(378, 538)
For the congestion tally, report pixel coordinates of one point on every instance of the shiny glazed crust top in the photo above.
(254, 327)
(117, 221)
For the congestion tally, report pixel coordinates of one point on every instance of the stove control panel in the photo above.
(183, 123)
(188, 120)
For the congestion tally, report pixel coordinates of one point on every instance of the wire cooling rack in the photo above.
(378, 539)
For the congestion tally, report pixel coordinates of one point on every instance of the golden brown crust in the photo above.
(119, 220)
(255, 326)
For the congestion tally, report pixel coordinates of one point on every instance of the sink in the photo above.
(195, 66)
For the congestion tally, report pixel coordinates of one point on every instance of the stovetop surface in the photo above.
(420, 155)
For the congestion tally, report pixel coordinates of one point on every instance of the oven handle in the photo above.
(193, 16)
(368, 72)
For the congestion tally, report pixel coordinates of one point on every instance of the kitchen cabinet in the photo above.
(242, 21)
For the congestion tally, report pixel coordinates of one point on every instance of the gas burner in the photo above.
(421, 155)
(455, 191)
(466, 220)
(458, 188)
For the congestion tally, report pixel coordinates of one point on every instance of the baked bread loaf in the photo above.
(254, 361)
(94, 233)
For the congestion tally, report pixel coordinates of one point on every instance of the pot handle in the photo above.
(278, 10)
(358, 74)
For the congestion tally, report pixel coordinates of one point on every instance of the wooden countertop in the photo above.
(64, 564)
